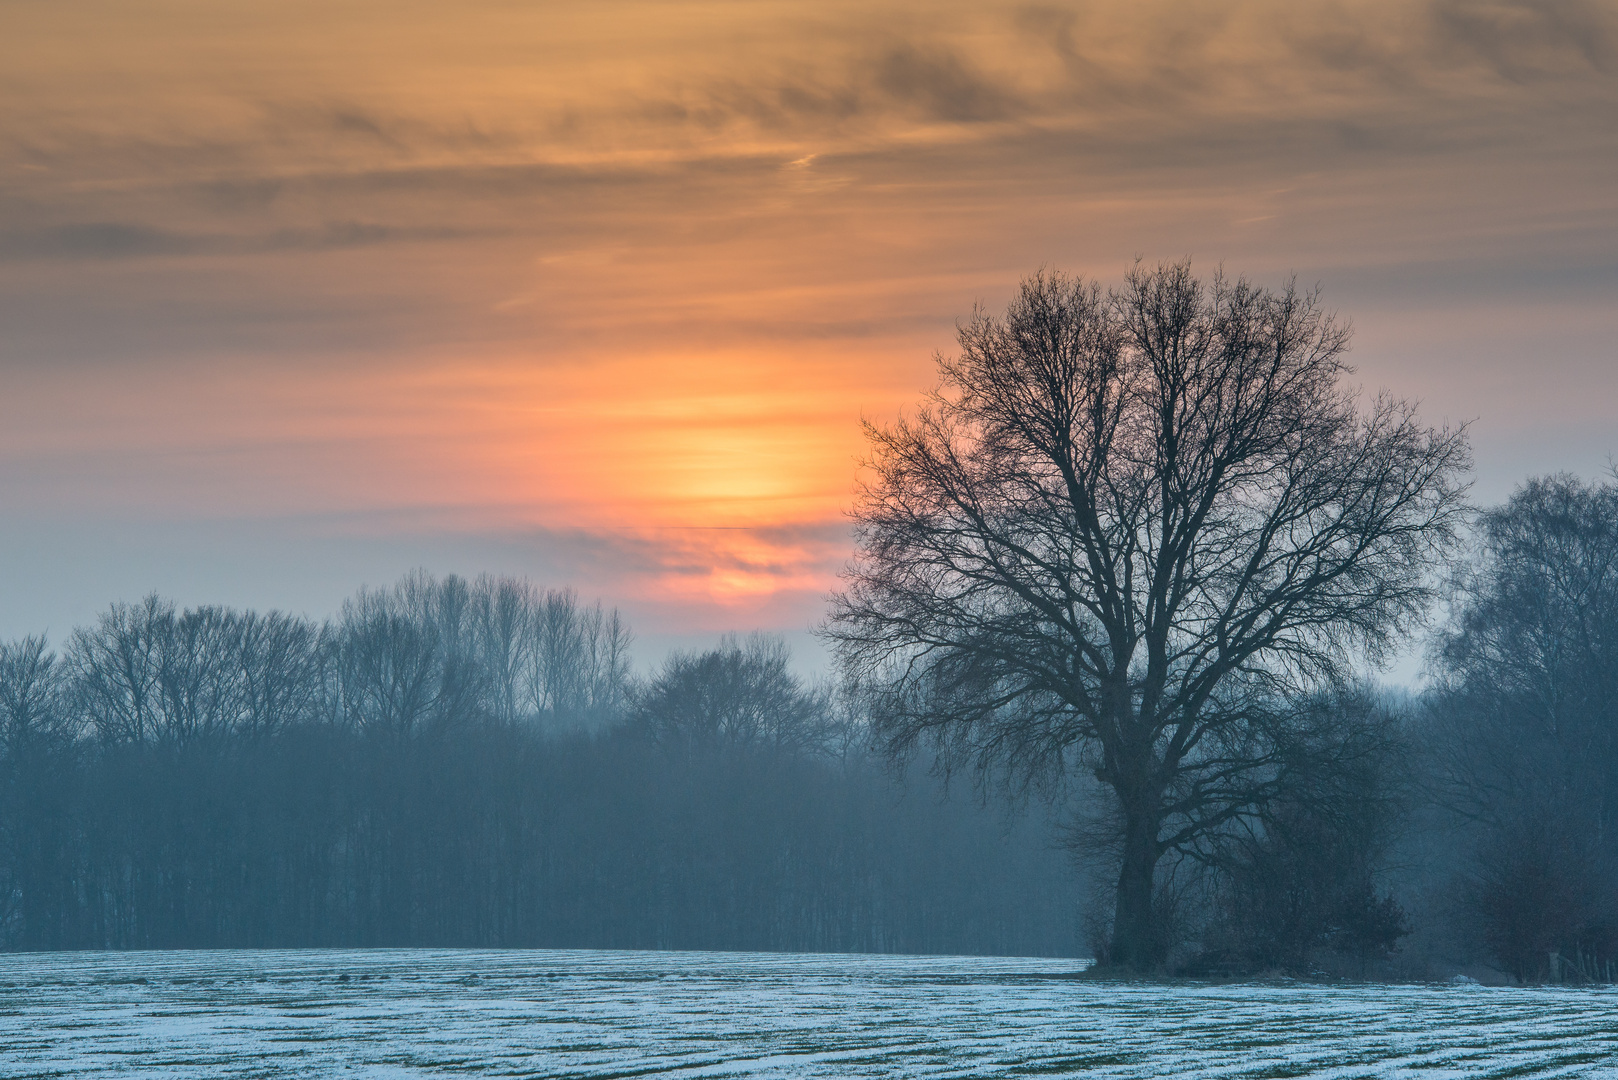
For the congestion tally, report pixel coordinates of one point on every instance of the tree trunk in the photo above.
(1136, 941)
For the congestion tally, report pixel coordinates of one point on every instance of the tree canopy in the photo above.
(1126, 525)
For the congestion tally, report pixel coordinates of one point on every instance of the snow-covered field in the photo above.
(412, 1013)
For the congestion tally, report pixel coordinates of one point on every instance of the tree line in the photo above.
(1129, 564)
(1466, 828)
(452, 762)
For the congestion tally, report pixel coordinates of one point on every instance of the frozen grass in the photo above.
(414, 1013)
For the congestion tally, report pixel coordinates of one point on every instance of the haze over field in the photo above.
(294, 299)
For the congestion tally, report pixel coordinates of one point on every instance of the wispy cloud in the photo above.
(121, 240)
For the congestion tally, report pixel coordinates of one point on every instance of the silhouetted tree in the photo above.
(116, 668)
(1525, 714)
(581, 661)
(403, 659)
(33, 715)
(503, 621)
(1124, 525)
(147, 673)
(37, 773)
(1303, 875)
(279, 668)
(741, 696)
(446, 763)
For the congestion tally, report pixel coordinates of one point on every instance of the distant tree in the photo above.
(1302, 877)
(37, 770)
(33, 715)
(431, 652)
(741, 696)
(402, 659)
(1121, 529)
(1526, 716)
(116, 668)
(580, 661)
(503, 611)
(278, 662)
(148, 673)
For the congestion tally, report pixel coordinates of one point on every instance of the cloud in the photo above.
(124, 240)
(94, 240)
(942, 86)
(1145, 79)
(1527, 40)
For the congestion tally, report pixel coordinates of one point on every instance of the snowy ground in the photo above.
(394, 1014)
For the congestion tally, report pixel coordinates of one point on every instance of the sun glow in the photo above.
(718, 440)
(729, 465)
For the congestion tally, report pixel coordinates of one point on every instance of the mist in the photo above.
(475, 764)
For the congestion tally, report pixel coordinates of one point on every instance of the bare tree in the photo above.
(200, 677)
(1525, 712)
(148, 673)
(1123, 525)
(32, 712)
(400, 668)
(278, 658)
(580, 660)
(1528, 668)
(434, 651)
(503, 619)
(740, 696)
(116, 670)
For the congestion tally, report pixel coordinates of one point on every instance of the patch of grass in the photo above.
(1539, 1065)
(1251, 1044)
(1280, 1071)
(1073, 1064)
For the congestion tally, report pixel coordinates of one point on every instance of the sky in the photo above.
(298, 297)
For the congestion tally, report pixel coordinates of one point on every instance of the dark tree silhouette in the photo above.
(1302, 878)
(1122, 526)
(1526, 718)
(741, 696)
(451, 762)
(31, 706)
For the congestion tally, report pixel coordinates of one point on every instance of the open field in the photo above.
(413, 1013)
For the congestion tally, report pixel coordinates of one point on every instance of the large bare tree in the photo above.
(1124, 526)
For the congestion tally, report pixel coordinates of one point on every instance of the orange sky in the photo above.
(298, 296)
